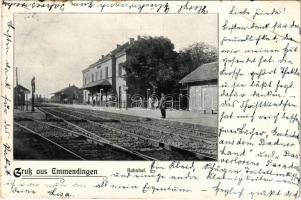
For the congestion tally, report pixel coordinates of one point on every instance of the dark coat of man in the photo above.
(162, 106)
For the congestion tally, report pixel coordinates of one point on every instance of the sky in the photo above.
(55, 48)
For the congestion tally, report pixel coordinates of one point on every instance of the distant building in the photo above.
(201, 88)
(20, 96)
(70, 94)
(103, 81)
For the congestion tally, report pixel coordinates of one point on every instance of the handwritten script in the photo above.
(259, 84)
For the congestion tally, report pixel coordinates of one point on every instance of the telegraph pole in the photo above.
(17, 76)
(33, 88)
(16, 89)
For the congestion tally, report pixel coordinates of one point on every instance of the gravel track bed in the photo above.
(79, 144)
(171, 124)
(126, 140)
(28, 146)
(207, 144)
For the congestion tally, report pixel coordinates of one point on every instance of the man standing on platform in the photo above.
(33, 89)
(162, 105)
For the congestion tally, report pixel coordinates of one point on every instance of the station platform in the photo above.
(192, 117)
(18, 113)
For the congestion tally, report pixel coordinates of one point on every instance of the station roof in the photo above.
(205, 72)
(98, 62)
(118, 49)
(67, 90)
(101, 83)
(21, 88)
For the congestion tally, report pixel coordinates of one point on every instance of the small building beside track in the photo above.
(201, 88)
(20, 96)
(68, 95)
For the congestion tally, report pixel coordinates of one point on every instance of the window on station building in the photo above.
(100, 74)
(92, 77)
(120, 69)
(107, 72)
(96, 76)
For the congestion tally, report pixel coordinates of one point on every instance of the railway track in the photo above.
(106, 128)
(29, 145)
(81, 146)
(205, 144)
(190, 129)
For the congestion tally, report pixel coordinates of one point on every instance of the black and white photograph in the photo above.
(115, 87)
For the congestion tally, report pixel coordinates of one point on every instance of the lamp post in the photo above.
(147, 94)
(100, 95)
(180, 96)
(26, 99)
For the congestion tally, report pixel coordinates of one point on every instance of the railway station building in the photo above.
(20, 96)
(201, 88)
(104, 81)
(68, 95)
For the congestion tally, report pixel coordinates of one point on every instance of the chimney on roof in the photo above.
(132, 40)
(102, 56)
(138, 37)
(118, 45)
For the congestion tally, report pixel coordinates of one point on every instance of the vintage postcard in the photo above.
(150, 99)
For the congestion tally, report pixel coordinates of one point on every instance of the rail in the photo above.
(50, 141)
(103, 140)
(162, 144)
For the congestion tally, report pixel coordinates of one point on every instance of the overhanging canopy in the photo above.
(100, 83)
(23, 89)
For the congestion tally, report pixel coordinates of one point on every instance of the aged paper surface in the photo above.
(258, 106)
